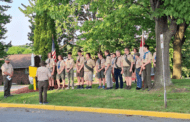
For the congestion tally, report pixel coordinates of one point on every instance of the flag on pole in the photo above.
(142, 45)
(53, 50)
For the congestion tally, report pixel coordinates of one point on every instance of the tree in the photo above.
(4, 19)
(167, 15)
(2, 52)
(44, 29)
(177, 45)
(18, 50)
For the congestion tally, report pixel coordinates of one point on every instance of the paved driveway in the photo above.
(14, 87)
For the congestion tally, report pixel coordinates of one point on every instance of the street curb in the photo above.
(100, 110)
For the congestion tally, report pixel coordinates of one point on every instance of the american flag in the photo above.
(53, 51)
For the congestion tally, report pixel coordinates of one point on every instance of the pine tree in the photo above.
(4, 19)
(44, 28)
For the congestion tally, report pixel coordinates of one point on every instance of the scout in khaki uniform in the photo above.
(108, 70)
(135, 50)
(7, 72)
(43, 74)
(127, 65)
(138, 67)
(60, 72)
(113, 57)
(100, 69)
(146, 68)
(80, 70)
(117, 70)
(88, 70)
(51, 66)
(154, 61)
(70, 72)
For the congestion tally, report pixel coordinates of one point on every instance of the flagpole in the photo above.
(142, 50)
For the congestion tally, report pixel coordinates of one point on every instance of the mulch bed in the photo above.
(26, 90)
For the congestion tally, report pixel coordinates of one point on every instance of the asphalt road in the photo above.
(34, 115)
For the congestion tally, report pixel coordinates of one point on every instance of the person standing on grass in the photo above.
(135, 50)
(80, 70)
(7, 72)
(138, 67)
(60, 72)
(43, 74)
(69, 68)
(100, 69)
(88, 70)
(127, 65)
(154, 61)
(113, 56)
(117, 70)
(108, 70)
(146, 68)
(51, 66)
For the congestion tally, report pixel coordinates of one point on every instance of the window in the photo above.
(26, 71)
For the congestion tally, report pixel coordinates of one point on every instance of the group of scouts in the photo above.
(108, 70)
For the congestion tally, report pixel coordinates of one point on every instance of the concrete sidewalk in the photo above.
(14, 87)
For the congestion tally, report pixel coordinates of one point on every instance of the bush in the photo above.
(30, 87)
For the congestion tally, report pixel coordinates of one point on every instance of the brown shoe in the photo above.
(126, 87)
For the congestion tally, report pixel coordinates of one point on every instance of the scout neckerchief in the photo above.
(79, 59)
(127, 59)
(59, 64)
(155, 57)
(134, 57)
(145, 54)
(116, 63)
(99, 62)
(89, 68)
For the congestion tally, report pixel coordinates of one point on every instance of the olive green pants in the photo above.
(70, 75)
(7, 85)
(146, 76)
(43, 86)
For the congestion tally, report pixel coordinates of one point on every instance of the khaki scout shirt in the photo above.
(154, 55)
(148, 57)
(62, 64)
(138, 63)
(80, 60)
(108, 61)
(7, 68)
(129, 57)
(119, 59)
(112, 62)
(102, 62)
(50, 63)
(90, 63)
(70, 63)
(43, 73)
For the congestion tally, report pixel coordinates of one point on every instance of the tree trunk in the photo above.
(177, 45)
(162, 27)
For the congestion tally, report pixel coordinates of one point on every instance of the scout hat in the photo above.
(138, 54)
(7, 59)
(42, 63)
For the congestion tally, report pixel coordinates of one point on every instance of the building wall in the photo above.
(20, 76)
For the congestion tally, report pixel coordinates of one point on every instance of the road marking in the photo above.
(101, 110)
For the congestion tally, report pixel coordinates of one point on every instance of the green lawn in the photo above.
(178, 97)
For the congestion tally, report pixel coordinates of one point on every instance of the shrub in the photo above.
(30, 87)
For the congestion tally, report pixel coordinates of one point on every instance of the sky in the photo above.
(18, 28)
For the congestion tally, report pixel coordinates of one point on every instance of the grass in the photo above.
(178, 97)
